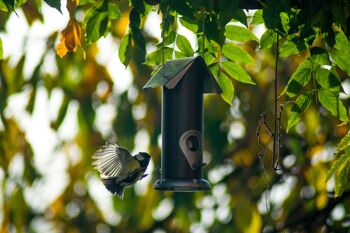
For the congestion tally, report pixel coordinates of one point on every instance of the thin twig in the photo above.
(262, 121)
(275, 148)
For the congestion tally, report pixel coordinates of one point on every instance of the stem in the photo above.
(275, 149)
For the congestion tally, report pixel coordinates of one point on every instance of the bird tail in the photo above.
(120, 192)
(114, 188)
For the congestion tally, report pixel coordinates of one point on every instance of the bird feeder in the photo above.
(184, 82)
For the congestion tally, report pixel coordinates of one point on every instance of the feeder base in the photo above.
(182, 185)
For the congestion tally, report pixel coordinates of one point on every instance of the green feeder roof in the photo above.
(173, 71)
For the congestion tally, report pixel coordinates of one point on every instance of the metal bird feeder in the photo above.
(184, 82)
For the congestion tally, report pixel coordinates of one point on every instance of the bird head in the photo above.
(143, 159)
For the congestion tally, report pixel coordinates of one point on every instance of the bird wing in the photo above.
(112, 161)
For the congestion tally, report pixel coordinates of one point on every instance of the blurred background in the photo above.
(55, 112)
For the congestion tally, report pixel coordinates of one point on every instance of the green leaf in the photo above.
(191, 25)
(184, 45)
(342, 178)
(209, 58)
(268, 39)
(237, 54)
(96, 23)
(332, 103)
(319, 56)
(336, 164)
(238, 33)
(54, 4)
(285, 21)
(340, 165)
(1, 50)
(291, 47)
(227, 88)
(341, 59)
(113, 11)
(125, 50)
(328, 80)
(257, 18)
(179, 55)
(343, 144)
(301, 104)
(10, 4)
(61, 114)
(299, 79)
(287, 49)
(342, 42)
(237, 72)
(155, 58)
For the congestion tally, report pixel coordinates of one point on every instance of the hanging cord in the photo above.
(276, 134)
(162, 35)
(203, 36)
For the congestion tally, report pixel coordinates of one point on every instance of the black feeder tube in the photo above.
(184, 82)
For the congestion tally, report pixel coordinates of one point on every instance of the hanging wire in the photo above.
(203, 36)
(162, 35)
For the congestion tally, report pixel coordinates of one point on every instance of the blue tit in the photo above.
(118, 168)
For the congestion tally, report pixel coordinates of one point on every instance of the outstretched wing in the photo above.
(112, 161)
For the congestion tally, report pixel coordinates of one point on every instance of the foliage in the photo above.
(311, 39)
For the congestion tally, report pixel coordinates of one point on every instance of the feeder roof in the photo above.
(173, 71)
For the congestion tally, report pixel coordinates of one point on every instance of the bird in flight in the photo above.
(118, 168)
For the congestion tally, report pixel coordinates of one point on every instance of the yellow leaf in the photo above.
(70, 38)
(61, 49)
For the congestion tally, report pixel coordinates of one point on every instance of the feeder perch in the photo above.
(184, 82)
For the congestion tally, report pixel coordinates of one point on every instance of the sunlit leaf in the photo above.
(61, 114)
(189, 24)
(268, 39)
(179, 55)
(125, 50)
(319, 56)
(113, 11)
(227, 88)
(184, 45)
(336, 164)
(237, 72)
(237, 54)
(341, 59)
(257, 18)
(342, 42)
(238, 33)
(301, 104)
(342, 179)
(96, 23)
(328, 80)
(332, 103)
(209, 58)
(291, 47)
(155, 58)
(299, 79)
(343, 144)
